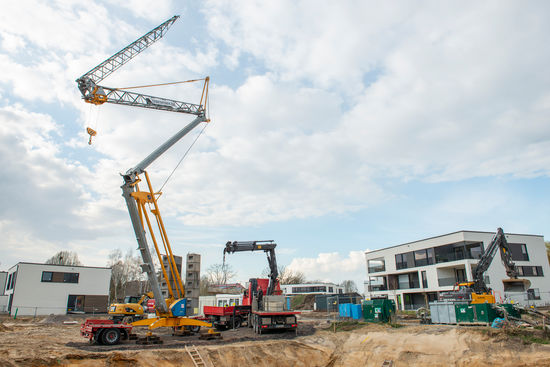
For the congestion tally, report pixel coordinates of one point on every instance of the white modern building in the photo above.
(3, 298)
(311, 288)
(43, 289)
(413, 274)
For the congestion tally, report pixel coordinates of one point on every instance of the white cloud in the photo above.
(332, 267)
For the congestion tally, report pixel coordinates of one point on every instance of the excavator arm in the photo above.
(500, 244)
(267, 246)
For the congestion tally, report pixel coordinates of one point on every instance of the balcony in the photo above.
(376, 269)
(446, 282)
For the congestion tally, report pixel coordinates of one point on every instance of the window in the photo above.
(424, 280)
(404, 261)
(424, 257)
(330, 289)
(458, 251)
(59, 277)
(8, 284)
(399, 263)
(70, 278)
(533, 293)
(376, 265)
(47, 276)
(420, 258)
(530, 271)
(311, 289)
(519, 251)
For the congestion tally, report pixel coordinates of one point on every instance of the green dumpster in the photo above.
(511, 309)
(464, 313)
(485, 312)
(378, 310)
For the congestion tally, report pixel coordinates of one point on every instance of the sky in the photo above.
(336, 127)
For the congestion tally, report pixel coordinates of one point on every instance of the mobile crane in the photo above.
(263, 306)
(171, 312)
(477, 291)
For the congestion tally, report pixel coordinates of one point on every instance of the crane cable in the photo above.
(191, 146)
(182, 158)
(161, 84)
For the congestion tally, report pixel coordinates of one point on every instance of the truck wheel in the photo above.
(110, 336)
(238, 322)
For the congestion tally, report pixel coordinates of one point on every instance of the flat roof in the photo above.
(71, 266)
(448, 234)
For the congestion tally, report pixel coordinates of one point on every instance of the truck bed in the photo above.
(225, 311)
(274, 313)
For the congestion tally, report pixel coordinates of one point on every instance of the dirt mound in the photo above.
(305, 303)
(4, 328)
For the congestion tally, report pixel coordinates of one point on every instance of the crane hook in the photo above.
(92, 133)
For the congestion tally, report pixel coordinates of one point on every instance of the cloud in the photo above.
(332, 267)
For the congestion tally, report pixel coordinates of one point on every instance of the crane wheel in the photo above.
(110, 336)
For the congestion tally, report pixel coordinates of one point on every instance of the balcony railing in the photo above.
(445, 282)
(377, 269)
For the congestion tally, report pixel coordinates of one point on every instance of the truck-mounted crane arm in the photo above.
(267, 246)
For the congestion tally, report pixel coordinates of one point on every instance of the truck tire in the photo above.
(238, 322)
(110, 336)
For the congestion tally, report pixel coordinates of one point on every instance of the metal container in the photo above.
(444, 312)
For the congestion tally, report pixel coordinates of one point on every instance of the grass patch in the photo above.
(396, 325)
(297, 301)
(528, 336)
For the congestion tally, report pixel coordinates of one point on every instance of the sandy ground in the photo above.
(49, 342)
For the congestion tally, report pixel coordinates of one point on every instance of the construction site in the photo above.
(466, 298)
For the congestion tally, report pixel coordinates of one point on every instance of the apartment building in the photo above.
(413, 274)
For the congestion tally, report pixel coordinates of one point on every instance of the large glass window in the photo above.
(519, 251)
(409, 280)
(423, 257)
(424, 280)
(376, 265)
(404, 261)
(311, 289)
(458, 251)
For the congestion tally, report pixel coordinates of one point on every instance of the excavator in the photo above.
(477, 291)
(131, 309)
(171, 312)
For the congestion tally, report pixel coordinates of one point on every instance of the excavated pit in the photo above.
(34, 343)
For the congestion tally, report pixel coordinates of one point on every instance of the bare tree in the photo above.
(287, 275)
(204, 285)
(125, 269)
(64, 258)
(220, 273)
(349, 286)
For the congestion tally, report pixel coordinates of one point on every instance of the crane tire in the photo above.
(110, 336)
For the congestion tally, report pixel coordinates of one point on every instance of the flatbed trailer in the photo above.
(106, 332)
(273, 320)
(226, 317)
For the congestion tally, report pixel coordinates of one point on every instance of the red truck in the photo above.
(263, 305)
